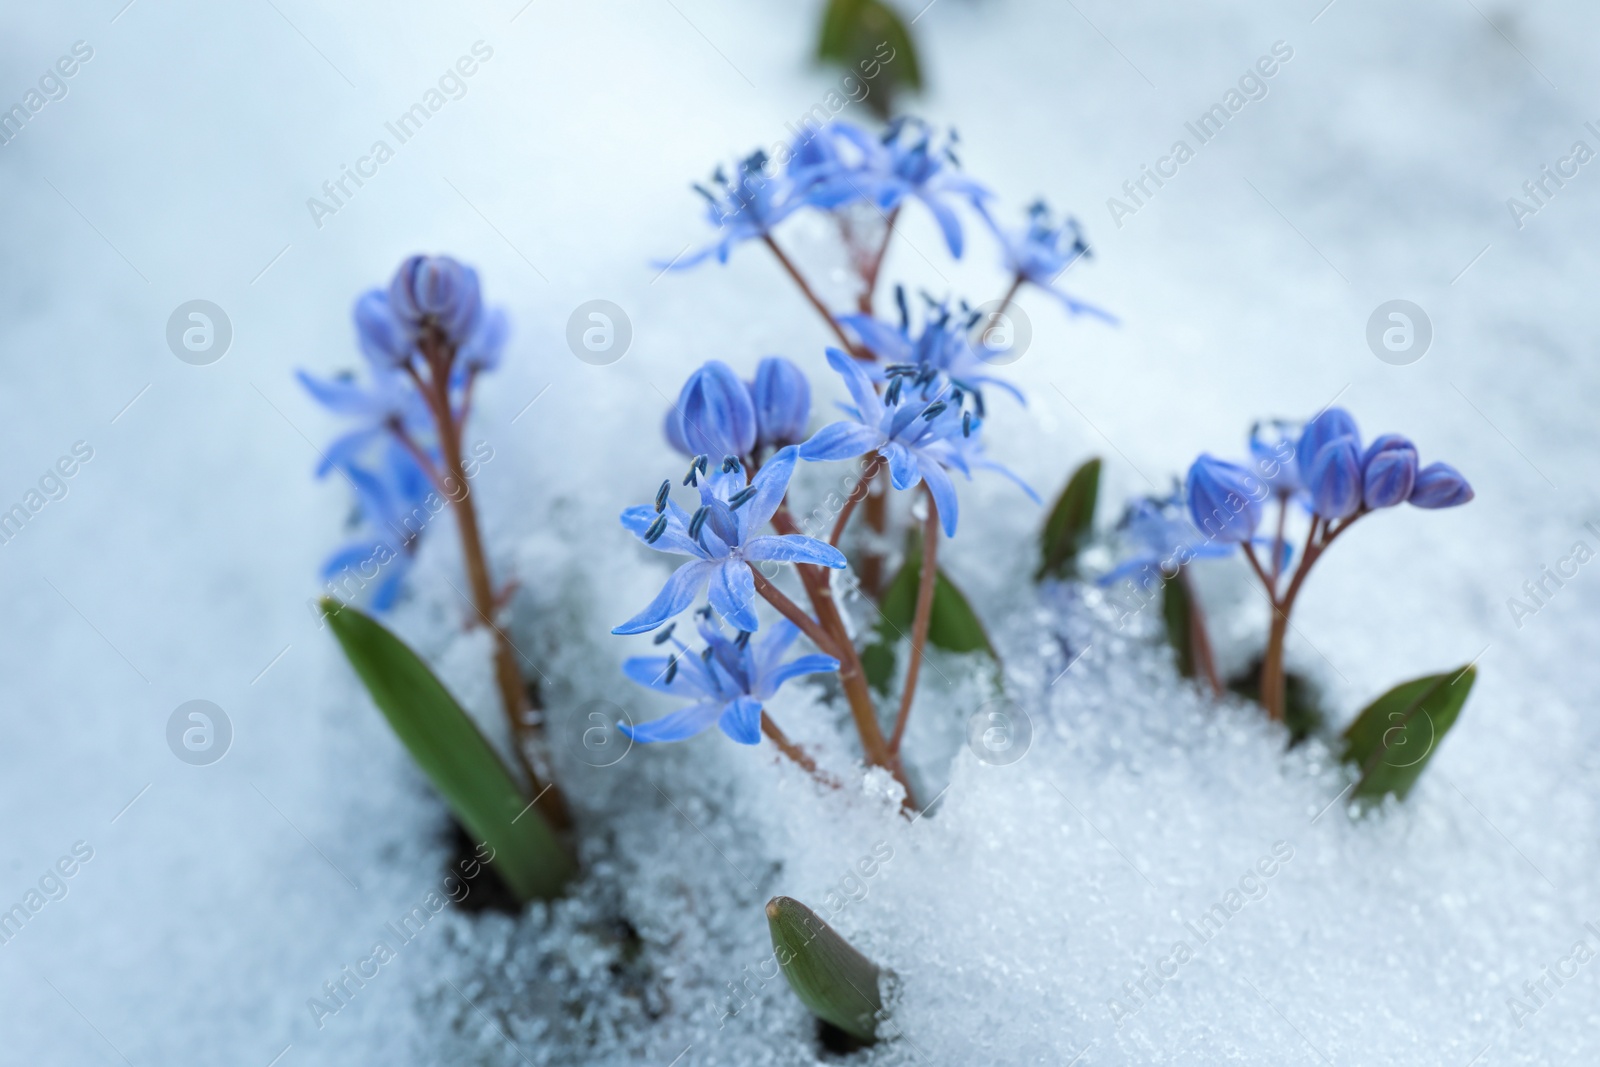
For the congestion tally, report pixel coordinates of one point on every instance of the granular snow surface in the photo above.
(1034, 915)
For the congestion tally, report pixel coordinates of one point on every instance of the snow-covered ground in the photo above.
(216, 900)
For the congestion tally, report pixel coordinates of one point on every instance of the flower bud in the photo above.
(1440, 485)
(782, 399)
(1389, 470)
(715, 415)
(1224, 499)
(436, 290)
(384, 341)
(1335, 481)
(481, 352)
(1334, 422)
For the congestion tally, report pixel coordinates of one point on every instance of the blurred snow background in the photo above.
(177, 567)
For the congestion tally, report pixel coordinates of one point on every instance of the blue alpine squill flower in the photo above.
(943, 345)
(836, 165)
(1162, 539)
(721, 538)
(914, 434)
(728, 683)
(1041, 252)
(1440, 485)
(743, 208)
(915, 168)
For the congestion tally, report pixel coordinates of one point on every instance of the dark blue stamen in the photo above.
(698, 521)
(892, 396)
(705, 654)
(701, 462)
(934, 410)
(743, 639)
(661, 495)
(656, 529)
(703, 611)
(665, 635)
(741, 498)
(672, 669)
(900, 301)
(966, 424)
(730, 464)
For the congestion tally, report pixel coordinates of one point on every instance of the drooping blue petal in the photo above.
(674, 598)
(675, 538)
(861, 388)
(741, 720)
(770, 483)
(949, 225)
(840, 440)
(769, 649)
(688, 680)
(814, 663)
(944, 495)
(904, 471)
(679, 725)
(794, 548)
(732, 593)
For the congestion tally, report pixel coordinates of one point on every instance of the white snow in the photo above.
(219, 899)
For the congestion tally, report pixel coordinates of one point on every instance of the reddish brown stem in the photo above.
(870, 276)
(795, 752)
(1199, 640)
(508, 676)
(810, 295)
(919, 623)
(860, 492)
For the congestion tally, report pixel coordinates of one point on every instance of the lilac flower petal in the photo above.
(814, 663)
(675, 597)
(949, 225)
(944, 495)
(840, 440)
(881, 339)
(861, 388)
(903, 469)
(679, 725)
(675, 539)
(771, 483)
(741, 720)
(733, 592)
(651, 672)
(794, 548)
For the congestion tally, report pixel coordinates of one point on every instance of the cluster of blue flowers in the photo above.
(917, 393)
(1330, 475)
(424, 340)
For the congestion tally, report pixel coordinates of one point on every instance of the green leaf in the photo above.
(1176, 610)
(1070, 524)
(454, 754)
(952, 624)
(873, 43)
(837, 983)
(1395, 736)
